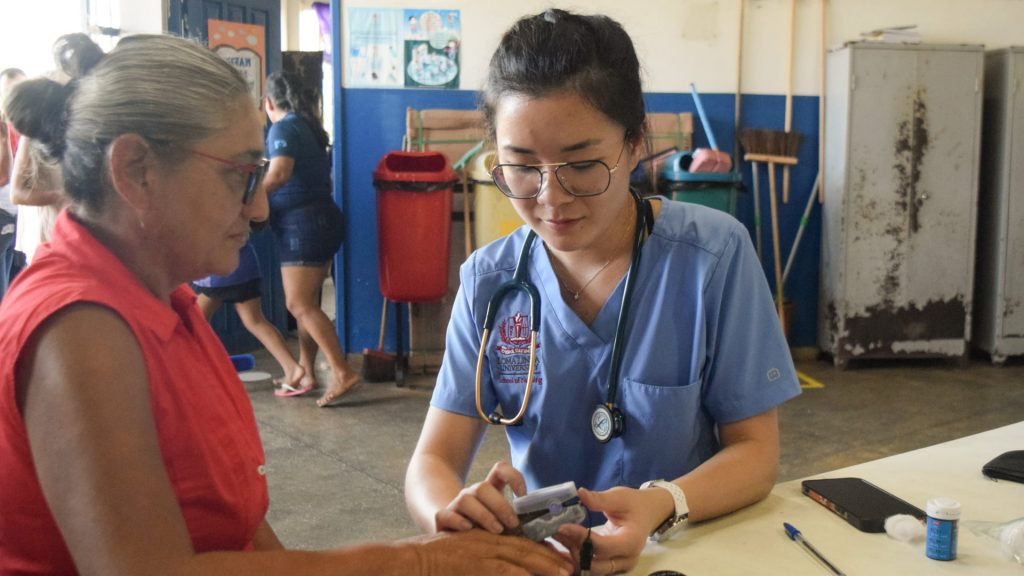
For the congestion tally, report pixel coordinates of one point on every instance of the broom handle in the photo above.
(785, 184)
(821, 101)
(739, 86)
(789, 66)
(803, 226)
(789, 94)
(703, 117)
(756, 177)
(775, 243)
(383, 325)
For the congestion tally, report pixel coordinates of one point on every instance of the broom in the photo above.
(760, 139)
(378, 365)
(770, 141)
(775, 147)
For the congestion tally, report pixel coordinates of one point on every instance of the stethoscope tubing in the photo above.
(519, 282)
(627, 297)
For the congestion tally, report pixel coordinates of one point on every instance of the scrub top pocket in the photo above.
(664, 425)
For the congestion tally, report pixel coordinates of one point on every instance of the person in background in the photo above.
(128, 443)
(9, 78)
(688, 429)
(9, 260)
(37, 186)
(242, 288)
(306, 222)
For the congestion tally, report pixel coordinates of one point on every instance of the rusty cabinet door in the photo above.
(1013, 286)
(900, 229)
(999, 310)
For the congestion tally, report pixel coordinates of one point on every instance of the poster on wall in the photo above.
(374, 48)
(432, 41)
(243, 46)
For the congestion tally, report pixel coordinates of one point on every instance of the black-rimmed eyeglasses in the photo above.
(580, 178)
(255, 172)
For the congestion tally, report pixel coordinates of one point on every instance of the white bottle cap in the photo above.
(943, 509)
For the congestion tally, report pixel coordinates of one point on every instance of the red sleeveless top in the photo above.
(205, 424)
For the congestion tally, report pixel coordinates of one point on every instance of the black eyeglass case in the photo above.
(1006, 466)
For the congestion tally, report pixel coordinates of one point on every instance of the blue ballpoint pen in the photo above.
(797, 537)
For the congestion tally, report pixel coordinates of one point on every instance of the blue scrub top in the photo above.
(311, 175)
(248, 270)
(703, 346)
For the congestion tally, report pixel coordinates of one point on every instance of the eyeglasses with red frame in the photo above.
(255, 172)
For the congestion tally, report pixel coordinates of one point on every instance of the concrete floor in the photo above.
(336, 474)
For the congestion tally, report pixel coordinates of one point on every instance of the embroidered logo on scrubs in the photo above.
(514, 351)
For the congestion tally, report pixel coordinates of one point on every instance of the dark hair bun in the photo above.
(38, 109)
(76, 54)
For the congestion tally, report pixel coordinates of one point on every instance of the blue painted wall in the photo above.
(374, 122)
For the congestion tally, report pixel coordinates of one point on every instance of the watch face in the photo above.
(601, 423)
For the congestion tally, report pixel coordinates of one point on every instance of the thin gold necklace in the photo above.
(576, 293)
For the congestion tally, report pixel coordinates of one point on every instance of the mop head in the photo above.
(708, 160)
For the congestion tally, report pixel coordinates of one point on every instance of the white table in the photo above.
(753, 542)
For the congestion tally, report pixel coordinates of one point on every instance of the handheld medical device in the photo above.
(542, 511)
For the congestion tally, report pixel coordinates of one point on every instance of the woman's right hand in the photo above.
(476, 552)
(483, 505)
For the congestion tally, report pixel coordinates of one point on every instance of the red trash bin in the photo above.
(414, 206)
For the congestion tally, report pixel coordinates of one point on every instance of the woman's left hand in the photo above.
(632, 515)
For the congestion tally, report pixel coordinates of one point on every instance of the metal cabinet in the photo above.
(999, 287)
(902, 129)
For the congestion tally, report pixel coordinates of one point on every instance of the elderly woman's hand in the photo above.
(477, 552)
(483, 505)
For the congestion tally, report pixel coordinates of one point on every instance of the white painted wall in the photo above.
(683, 41)
(28, 29)
(679, 41)
(143, 17)
(130, 16)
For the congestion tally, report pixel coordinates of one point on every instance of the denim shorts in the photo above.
(308, 235)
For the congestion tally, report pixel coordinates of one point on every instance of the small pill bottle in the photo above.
(943, 520)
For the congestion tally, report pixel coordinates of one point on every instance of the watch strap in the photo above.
(680, 514)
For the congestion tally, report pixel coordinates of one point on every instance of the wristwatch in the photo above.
(677, 520)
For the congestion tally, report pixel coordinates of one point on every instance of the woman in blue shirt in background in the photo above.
(307, 223)
(704, 362)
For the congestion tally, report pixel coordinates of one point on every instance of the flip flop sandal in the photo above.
(288, 391)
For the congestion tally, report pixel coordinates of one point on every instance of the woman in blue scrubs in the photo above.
(308, 227)
(704, 362)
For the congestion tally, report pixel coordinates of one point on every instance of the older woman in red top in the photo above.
(128, 445)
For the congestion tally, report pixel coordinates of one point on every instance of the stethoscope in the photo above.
(607, 421)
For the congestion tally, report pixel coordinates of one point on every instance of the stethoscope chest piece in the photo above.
(607, 422)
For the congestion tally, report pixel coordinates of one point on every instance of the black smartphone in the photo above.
(859, 502)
